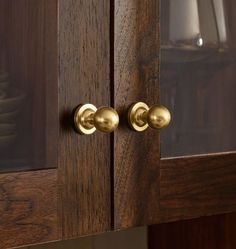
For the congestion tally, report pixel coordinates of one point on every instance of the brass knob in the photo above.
(140, 116)
(88, 119)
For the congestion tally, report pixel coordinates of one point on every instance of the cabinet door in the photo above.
(197, 83)
(28, 121)
(183, 51)
(54, 184)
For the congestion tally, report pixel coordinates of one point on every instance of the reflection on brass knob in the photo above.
(140, 116)
(88, 119)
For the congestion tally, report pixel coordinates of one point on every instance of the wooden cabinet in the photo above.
(56, 54)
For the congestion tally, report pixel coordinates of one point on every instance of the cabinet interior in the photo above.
(28, 85)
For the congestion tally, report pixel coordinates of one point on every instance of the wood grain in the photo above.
(136, 78)
(216, 232)
(28, 208)
(84, 164)
(197, 186)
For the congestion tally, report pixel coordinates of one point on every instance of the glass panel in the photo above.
(198, 76)
(28, 84)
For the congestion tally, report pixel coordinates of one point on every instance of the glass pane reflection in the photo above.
(28, 84)
(198, 76)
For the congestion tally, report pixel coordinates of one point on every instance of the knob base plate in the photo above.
(135, 116)
(82, 119)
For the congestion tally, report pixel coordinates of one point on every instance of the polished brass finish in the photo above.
(83, 119)
(140, 116)
(135, 116)
(88, 119)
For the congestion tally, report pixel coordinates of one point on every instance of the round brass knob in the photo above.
(140, 116)
(88, 119)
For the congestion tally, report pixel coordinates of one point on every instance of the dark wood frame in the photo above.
(125, 184)
(84, 161)
(136, 78)
(197, 186)
(28, 208)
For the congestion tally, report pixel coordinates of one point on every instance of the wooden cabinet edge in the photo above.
(28, 208)
(197, 186)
